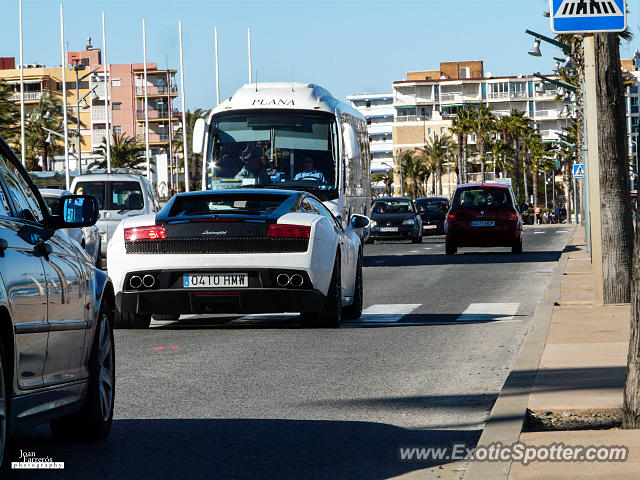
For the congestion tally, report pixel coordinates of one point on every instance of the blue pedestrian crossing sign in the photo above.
(578, 170)
(588, 16)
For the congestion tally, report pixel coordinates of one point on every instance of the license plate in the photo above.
(216, 280)
(389, 229)
(429, 227)
(484, 223)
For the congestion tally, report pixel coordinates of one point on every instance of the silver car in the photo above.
(87, 237)
(57, 362)
(119, 195)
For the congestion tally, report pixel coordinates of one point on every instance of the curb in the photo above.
(507, 416)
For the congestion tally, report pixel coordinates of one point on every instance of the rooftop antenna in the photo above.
(256, 80)
(293, 69)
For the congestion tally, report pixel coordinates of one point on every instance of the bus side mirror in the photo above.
(350, 141)
(198, 136)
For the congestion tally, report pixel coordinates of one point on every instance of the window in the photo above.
(95, 189)
(443, 130)
(117, 105)
(20, 191)
(117, 129)
(322, 210)
(227, 204)
(482, 198)
(368, 104)
(115, 82)
(465, 72)
(368, 121)
(126, 196)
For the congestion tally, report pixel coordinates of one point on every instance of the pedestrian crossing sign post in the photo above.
(588, 16)
(578, 170)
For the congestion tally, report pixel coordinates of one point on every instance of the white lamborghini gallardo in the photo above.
(238, 251)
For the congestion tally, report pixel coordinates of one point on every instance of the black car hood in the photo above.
(393, 218)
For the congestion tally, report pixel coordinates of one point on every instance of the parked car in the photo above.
(56, 316)
(238, 251)
(432, 211)
(395, 218)
(87, 237)
(119, 195)
(483, 215)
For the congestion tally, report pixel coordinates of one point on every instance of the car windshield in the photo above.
(279, 149)
(431, 205)
(392, 206)
(53, 203)
(482, 198)
(221, 204)
(126, 196)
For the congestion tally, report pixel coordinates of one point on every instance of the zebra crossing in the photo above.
(588, 8)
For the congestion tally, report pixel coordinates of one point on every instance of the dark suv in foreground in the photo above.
(432, 211)
(56, 316)
(395, 218)
(483, 215)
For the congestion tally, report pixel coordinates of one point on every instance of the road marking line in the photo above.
(538, 232)
(488, 312)
(561, 231)
(414, 251)
(387, 313)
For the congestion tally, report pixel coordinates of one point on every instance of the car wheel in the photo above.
(517, 247)
(450, 248)
(93, 421)
(331, 314)
(132, 320)
(354, 311)
(5, 395)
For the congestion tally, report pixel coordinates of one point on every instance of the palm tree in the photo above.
(9, 115)
(45, 115)
(385, 177)
(125, 153)
(483, 123)
(194, 159)
(538, 162)
(435, 153)
(513, 127)
(462, 126)
(414, 170)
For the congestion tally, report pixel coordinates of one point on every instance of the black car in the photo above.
(432, 211)
(395, 218)
(56, 316)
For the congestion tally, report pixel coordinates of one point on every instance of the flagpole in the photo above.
(23, 146)
(146, 100)
(185, 136)
(107, 82)
(215, 34)
(250, 67)
(63, 69)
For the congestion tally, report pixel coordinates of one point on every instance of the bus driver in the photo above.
(309, 172)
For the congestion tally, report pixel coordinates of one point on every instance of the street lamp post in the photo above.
(77, 67)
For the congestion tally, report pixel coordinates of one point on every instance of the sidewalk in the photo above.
(580, 379)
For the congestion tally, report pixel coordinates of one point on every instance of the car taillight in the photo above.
(155, 232)
(451, 217)
(513, 216)
(288, 231)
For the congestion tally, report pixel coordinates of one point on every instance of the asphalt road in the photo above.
(265, 397)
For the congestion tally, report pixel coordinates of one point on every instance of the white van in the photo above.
(120, 195)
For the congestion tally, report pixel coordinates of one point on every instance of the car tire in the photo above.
(5, 396)
(354, 311)
(417, 239)
(450, 248)
(93, 421)
(132, 320)
(517, 247)
(331, 313)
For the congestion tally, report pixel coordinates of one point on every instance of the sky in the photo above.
(347, 46)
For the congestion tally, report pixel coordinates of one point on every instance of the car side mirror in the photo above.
(359, 222)
(77, 211)
(198, 136)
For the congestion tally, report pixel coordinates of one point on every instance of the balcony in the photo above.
(97, 137)
(155, 114)
(154, 137)
(155, 90)
(546, 113)
(98, 115)
(498, 95)
(412, 118)
(28, 97)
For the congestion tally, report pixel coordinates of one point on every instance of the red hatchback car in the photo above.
(483, 215)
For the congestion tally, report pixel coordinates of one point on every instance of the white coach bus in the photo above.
(291, 136)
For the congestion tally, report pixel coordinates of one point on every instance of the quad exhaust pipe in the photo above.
(148, 281)
(136, 281)
(296, 280)
(283, 279)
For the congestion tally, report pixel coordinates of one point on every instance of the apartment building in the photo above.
(379, 112)
(126, 102)
(632, 102)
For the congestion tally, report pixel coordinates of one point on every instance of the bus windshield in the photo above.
(275, 149)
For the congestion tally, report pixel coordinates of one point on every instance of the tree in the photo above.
(513, 127)
(9, 115)
(414, 171)
(384, 177)
(45, 115)
(483, 123)
(435, 154)
(125, 153)
(538, 162)
(194, 160)
(461, 127)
